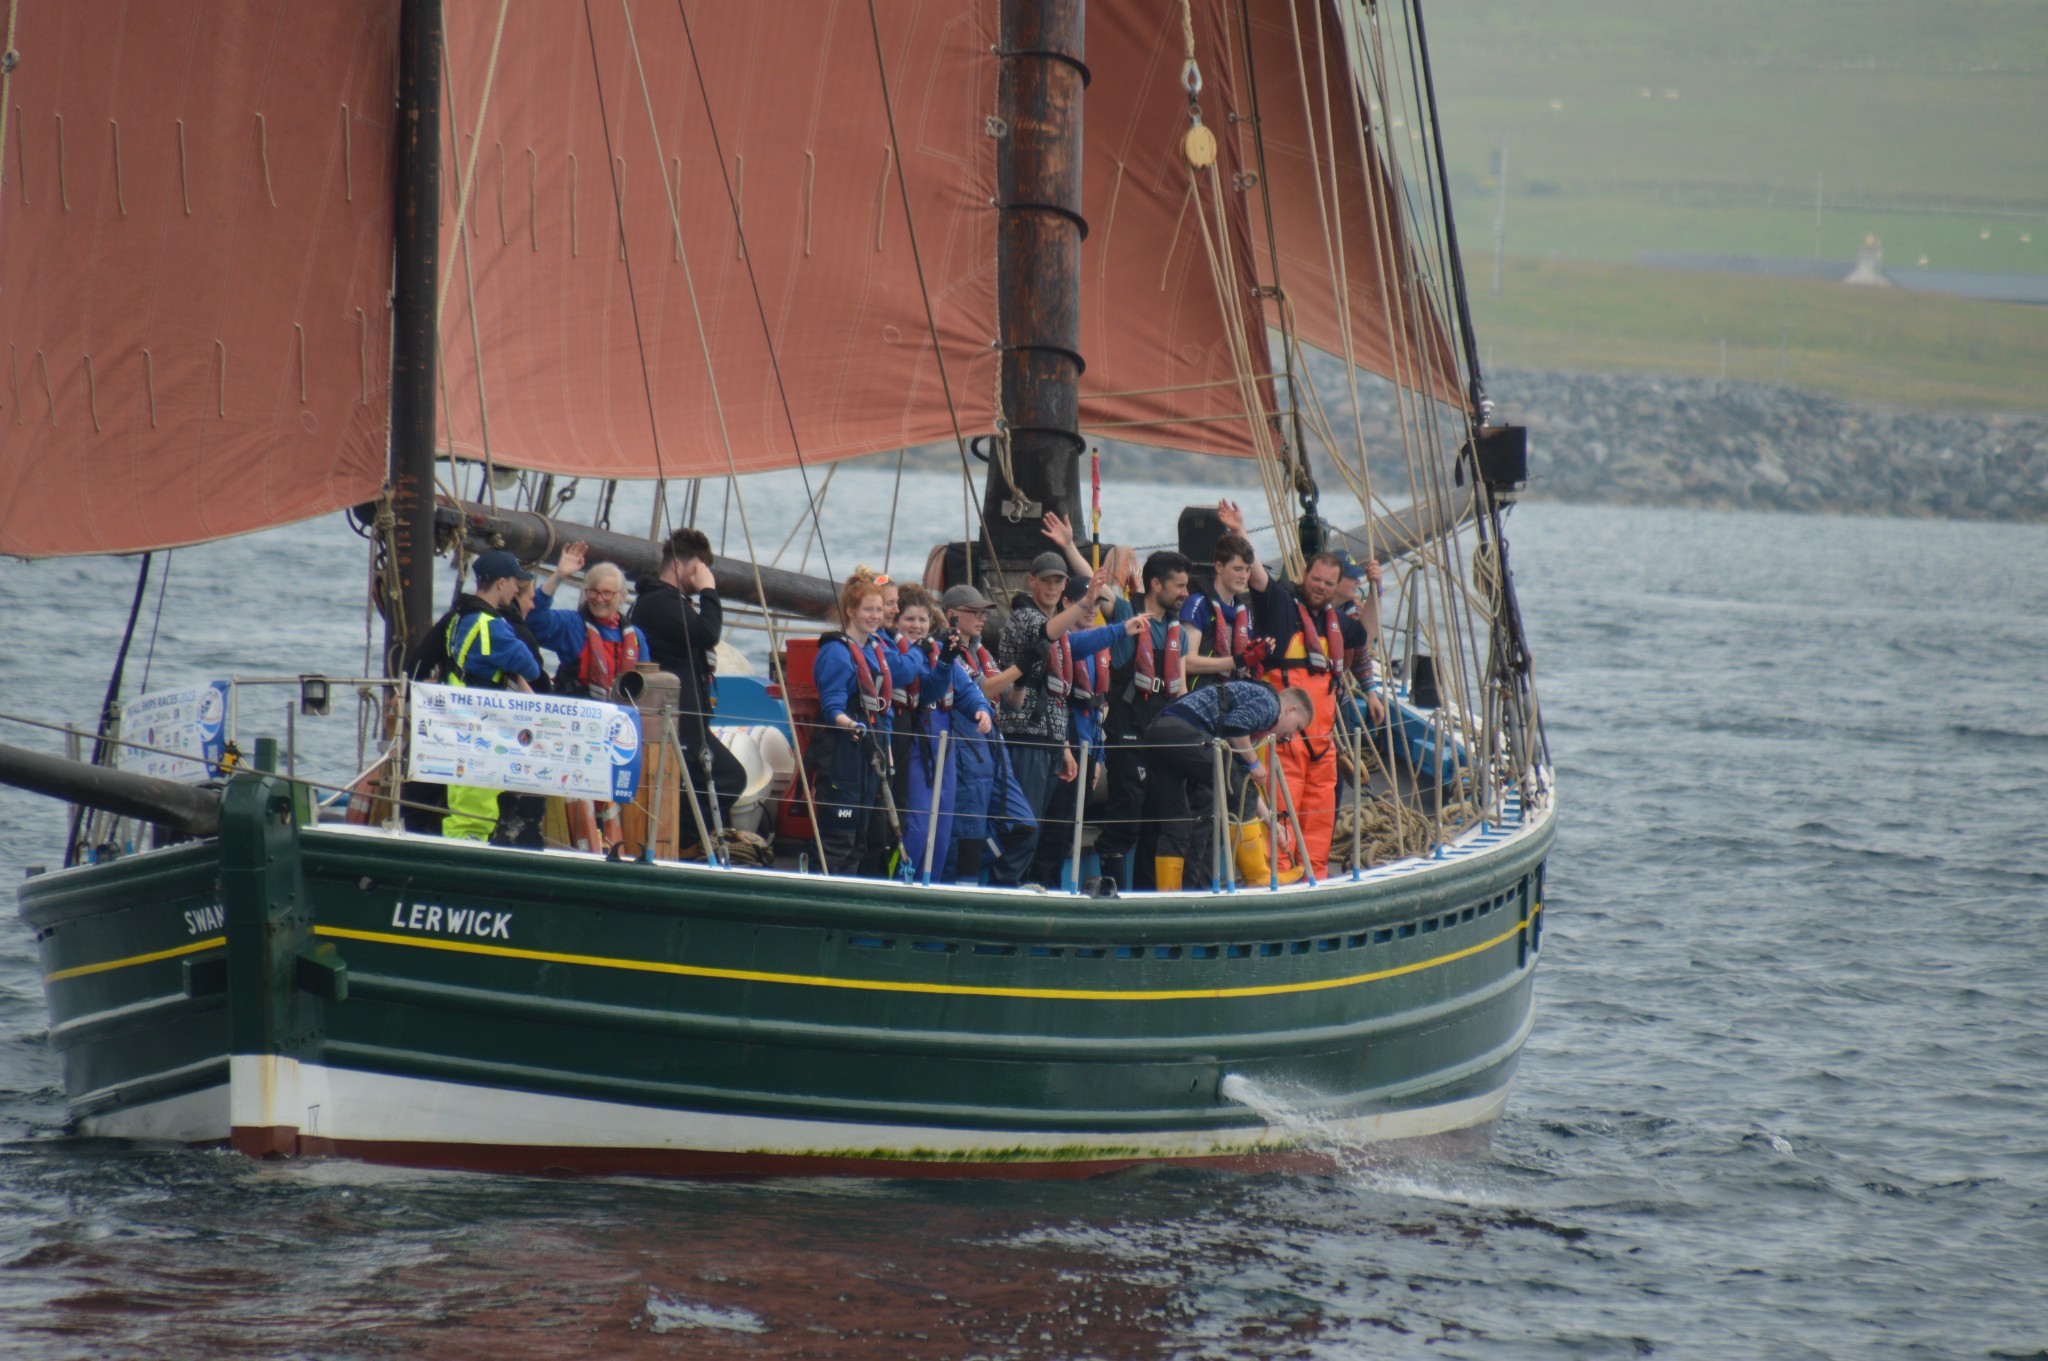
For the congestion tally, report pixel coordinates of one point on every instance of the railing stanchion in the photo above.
(1219, 806)
(1080, 811)
(931, 821)
(674, 742)
(1272, 813)
(1294, 823)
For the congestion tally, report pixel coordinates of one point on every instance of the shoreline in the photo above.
(1704, 443)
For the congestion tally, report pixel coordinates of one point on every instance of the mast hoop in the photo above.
(1080, 364)
(1078, 445)
(1056, 209)
(1064, 58)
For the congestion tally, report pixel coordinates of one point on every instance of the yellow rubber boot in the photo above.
(1167, 871)
(1248, 840)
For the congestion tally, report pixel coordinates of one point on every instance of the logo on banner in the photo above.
(213, 711)
(622, 736)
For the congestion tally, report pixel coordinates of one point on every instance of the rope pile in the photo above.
(1383, 831)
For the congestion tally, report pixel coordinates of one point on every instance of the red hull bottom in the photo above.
(548, 1161)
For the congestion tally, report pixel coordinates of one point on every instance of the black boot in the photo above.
(967, 854)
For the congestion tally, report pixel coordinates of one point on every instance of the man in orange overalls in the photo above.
(1311, 645)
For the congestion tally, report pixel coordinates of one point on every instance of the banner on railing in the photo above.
(186, 726)
(530, 744)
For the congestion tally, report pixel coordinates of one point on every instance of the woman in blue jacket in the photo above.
(856, 677)
(947, 692)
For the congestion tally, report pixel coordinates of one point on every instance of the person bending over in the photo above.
(1241, 714)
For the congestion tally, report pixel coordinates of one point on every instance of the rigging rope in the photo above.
(1265, 187)
(1199, 159)
(103, 741)
(895, 500)
(931, 319)
(163, 584)
(9, 58)
(1404, 326)
(739, 228)
(476, 344)
(1329, 217)
(776, 653)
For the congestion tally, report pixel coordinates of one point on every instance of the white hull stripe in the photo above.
(199, 1117)
(348, 1106)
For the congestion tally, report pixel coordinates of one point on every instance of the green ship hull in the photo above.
(351, 991)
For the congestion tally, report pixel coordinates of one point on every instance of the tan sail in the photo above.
(1344, 249)
(802, 139)
(797, 132)
(1161, 361)
(195, 247)
(177, 376)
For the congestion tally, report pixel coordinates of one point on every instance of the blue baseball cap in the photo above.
(1352, 570)
(496, 565)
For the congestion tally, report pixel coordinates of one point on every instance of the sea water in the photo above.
(1784, 1097)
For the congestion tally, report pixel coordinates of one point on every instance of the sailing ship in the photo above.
(263, 260)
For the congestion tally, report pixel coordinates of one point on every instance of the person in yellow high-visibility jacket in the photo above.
(474, 645)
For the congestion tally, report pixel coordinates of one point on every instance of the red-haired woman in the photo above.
(857, 676)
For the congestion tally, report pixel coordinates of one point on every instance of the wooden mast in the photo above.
(416, 210)
(1038, 271)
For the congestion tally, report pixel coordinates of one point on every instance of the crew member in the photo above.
(678, 611)
(1033, 715)
(1149, 670)
(475, 644)
(1183, 764)
(1358, 592)
(988, 804)
(892, 605)
(1221, 615)
(930, 765)
(856, 678)
(1313, 647)
(594, 642)
(1083, 665)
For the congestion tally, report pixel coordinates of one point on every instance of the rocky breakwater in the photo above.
(1694, 442)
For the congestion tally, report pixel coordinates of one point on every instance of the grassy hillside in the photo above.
(1876, 345)
(1713, 125)
(1753, 127)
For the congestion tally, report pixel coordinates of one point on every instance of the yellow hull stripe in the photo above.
(884, 985)
(82, 970)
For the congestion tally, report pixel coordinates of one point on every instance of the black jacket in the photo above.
(682, 636)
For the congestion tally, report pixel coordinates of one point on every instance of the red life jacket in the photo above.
(1152, 675)
(1230, 628)
(875, 695)
(1066, 676)
(986, 662)
(907, 698)
(604, 661)
(1323, 651)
